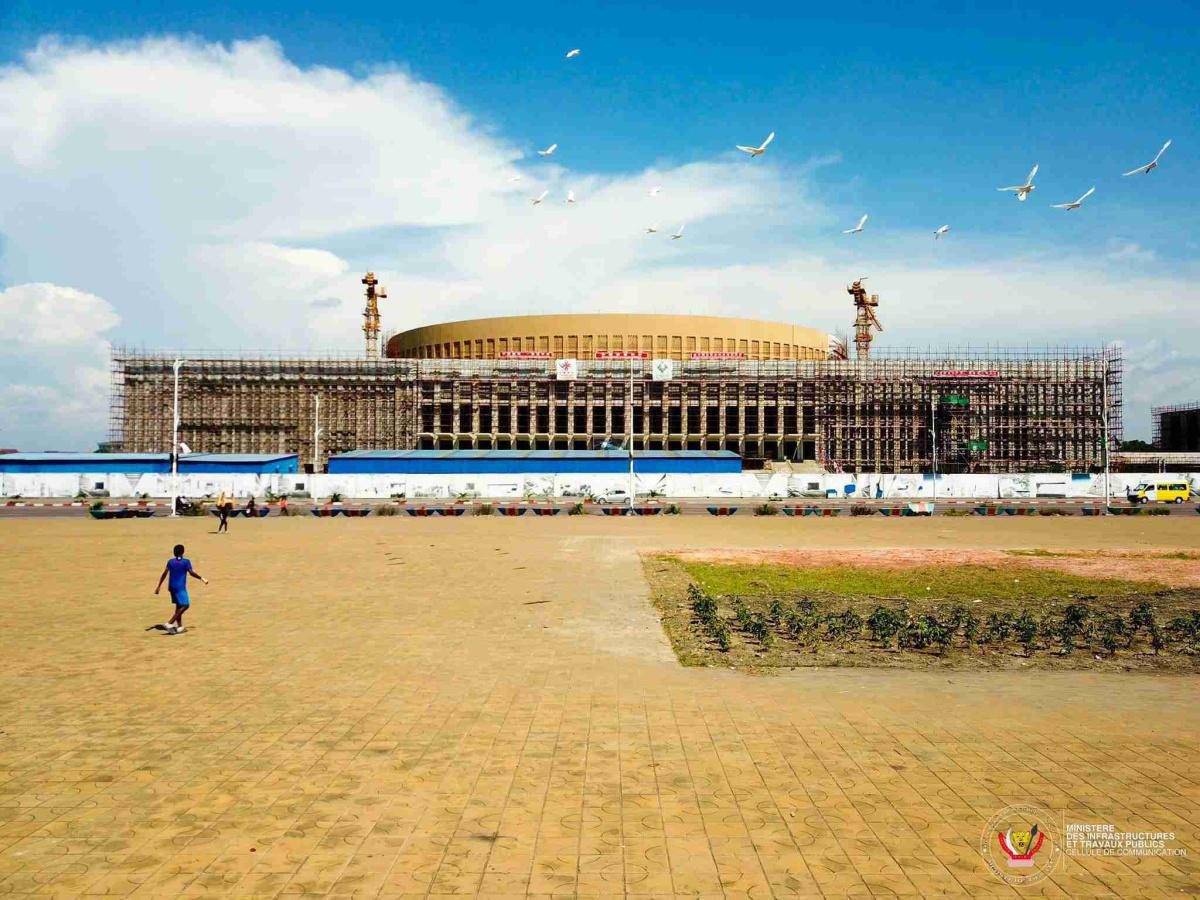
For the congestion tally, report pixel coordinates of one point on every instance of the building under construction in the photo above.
(1177, 428)
(764, 390)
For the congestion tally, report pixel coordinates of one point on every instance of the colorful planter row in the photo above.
(722, 510)
(426, 511)
(325, 513)
(260, 512)
(811, 511)
(615, 510)
(121, 513)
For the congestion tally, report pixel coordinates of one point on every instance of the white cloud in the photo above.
(221, 196)
(54, 375)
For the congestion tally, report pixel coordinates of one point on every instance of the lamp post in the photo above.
(630, 427)
(176, 366)
(316, 433)
(1104, 436)
(933, 440)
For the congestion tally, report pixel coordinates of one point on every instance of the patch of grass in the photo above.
(756, 618)
(1036, 551)
(922, 582)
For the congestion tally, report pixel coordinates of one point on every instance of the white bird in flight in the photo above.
(678, 234)
(540, 197)
(571, 54)
(760, 149)
(570, 196)
(857, 228)
(937, 234)
(548, 151)
(1078, 203)
(1022, 190)
(655, 191)
(651, 229)
(1150, 166)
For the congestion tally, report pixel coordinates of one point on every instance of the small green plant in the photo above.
(1025, 628)
(884, 623)
(576, 510)
(957, 512)
(335, 497)
(843, 625)
(97, 504)
(483, 509)
(766, 509)
(778, 611)
(860, 509)
(672, 509)
(999, 627)
(1113, 632)
(1157, 511)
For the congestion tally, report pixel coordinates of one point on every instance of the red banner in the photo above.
(967, 373)
(526, 354)
(622, 354)
(718, 354)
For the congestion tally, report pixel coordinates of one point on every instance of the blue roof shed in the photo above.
(528, 462)
(147, 463)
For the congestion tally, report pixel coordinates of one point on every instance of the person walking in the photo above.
(223, 509)
(178, 569)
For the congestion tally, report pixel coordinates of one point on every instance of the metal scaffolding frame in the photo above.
(988, 409)
(1176, 428)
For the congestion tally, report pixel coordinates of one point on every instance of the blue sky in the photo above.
(912, 114)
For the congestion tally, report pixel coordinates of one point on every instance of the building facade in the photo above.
(1177, 428)
(901, 412)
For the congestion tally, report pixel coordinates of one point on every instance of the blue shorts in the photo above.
(180, 598)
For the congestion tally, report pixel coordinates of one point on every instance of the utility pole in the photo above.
(933, 439)
(177, 365)
(1104, 437)
(316, 463)
(630, 429)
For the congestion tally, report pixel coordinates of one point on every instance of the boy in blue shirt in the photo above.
(178, 570)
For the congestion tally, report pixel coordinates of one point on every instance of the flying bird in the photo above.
(678, 234)
(760, 149)
(540, 197)
(570, 196)
(514, 179)
(548, 151)
(571, 54)
(652, 229)
(1152, 165)
(1022, 190)
(655, 191)
(937, 234)
(857, 228)
(1078, 203)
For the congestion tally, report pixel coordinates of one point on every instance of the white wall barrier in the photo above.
(747, 485)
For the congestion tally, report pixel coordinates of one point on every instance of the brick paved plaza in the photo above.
(488, 706)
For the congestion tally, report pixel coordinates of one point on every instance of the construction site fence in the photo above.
(747, 485)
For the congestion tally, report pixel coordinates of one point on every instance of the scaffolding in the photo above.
(261, 403)
(1176, 428)
(989, 410)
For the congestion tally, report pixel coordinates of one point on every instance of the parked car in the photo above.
(1160, 492)
(616, 495)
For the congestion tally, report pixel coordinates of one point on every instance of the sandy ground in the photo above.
(488, 706)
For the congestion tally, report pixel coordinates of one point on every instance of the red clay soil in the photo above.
(1129, 565)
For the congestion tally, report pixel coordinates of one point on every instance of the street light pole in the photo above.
(933, 440)
(630, 429)
(316, 433)
(177, 365)
(1104, 438)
